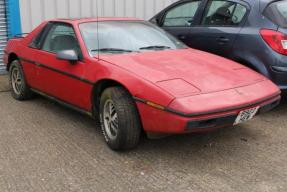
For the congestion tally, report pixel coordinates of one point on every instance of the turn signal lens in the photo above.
(276, 40)
(155, 105)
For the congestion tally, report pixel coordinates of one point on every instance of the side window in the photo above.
(61, 37)
(223, 13)
(182, 15)
(35, 43)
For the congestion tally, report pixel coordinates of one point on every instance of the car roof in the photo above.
(264, 1)
(93, 19)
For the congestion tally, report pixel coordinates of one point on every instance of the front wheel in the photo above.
(119, 117)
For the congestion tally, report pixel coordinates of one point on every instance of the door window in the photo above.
(61, 37)
(181, 15)
(223, 13)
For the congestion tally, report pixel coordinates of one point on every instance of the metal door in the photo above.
(3, 31)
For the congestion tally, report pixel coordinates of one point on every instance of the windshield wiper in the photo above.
(112, 50)
(155, 47)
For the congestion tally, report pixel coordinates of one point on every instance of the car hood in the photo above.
(186, 72)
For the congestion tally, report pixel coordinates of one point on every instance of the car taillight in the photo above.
(276, 40)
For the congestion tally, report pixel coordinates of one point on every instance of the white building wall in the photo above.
(33, 12)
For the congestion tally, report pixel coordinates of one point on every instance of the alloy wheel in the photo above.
(110, 119)
(16, 80)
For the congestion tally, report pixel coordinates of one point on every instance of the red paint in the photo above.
(187, 80)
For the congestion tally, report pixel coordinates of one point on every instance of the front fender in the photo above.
(137, 86)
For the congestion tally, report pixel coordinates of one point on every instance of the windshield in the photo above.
(115, 37)
(277, 12)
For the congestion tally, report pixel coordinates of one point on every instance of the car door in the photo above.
(179, 18)
(221, 21)
(62, 79)
(214, 26)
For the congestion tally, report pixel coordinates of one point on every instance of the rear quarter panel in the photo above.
(13, 46)
(19, 47)
(249, 48)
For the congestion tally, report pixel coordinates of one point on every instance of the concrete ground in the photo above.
(46, 147)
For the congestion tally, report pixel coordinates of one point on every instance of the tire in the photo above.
(119, 118)
(19, 88)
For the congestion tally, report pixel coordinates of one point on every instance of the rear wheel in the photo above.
(19, 88)
(119, 119)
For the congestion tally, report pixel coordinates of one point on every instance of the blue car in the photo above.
(251, 32)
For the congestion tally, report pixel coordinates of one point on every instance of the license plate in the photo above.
(246, 115)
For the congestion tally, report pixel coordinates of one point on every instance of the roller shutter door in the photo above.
(3, 32)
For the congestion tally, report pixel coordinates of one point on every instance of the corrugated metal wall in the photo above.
(3, 31)
(35, 11)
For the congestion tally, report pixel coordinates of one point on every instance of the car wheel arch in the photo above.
(12, 57)
(98, 89)
(256, 66)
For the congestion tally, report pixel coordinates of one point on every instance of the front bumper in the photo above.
(225, 120)
(160, 121)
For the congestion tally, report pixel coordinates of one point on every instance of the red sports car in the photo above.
(134, 77)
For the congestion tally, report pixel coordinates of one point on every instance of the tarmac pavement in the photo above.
(46, 147)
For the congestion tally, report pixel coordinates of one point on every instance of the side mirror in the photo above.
(68, 55)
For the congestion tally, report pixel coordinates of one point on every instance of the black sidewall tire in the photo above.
(129, 129)
(114, 144)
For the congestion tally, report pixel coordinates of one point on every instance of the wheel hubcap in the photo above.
(16, 79)
(110, 119)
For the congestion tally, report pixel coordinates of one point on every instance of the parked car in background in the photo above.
(251, 32)
(134, 76)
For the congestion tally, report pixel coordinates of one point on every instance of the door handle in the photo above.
(222, 40)
(182, 37)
